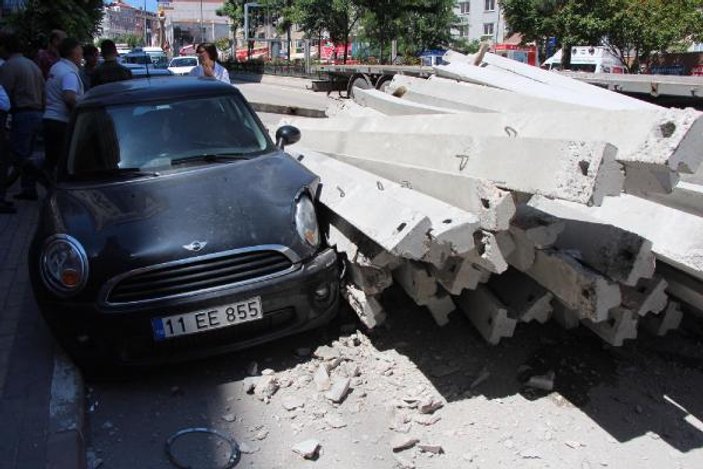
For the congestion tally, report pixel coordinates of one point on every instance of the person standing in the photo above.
(46, 58)
(90, 56)
(5, 205)
(109, 70)
(209, 67)
(63, 90)
(24, 84)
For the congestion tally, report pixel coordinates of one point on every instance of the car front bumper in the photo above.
(124, 335)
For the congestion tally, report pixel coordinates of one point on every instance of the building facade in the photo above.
(120, 19)
(192, 21)
(479, 20)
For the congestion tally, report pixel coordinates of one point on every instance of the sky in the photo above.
(150, 4)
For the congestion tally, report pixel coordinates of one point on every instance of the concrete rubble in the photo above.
(513, 195)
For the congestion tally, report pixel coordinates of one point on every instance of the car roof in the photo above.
(154, 89)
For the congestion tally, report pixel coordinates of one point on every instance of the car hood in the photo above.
(181, 70)
(222, 206)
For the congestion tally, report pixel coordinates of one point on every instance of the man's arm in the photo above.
(70, 87)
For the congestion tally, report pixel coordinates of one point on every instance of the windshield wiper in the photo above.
(210, 158)
(121, 171)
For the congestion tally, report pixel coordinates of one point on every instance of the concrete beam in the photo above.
(685, 196)
(578, 171)
(618, 254)
(363, 250)
(667, 321)
(488, 254)
(494, 207)
(440, 307)
(392, 106)
(367, 307)
(621, 326)
(683, 287)
(467, 97)
(675, 235)
(488, 315)
(510, 74)
(578, 287)
(525, 299)
(416, 280)
(370, 279)
(457, 274)
(649, 296)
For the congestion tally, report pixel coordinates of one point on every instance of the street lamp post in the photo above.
(144, 13)
(202, 31)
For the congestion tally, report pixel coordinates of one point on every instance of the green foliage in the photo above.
(465, 47)
(632, 29)
(132, 40)
(223, 44)
(80, 19)
(638, 28)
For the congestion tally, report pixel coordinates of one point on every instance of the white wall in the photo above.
(477, 17)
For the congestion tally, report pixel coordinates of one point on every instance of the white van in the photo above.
(590, 59)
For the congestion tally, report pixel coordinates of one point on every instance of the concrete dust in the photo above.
(416, 395)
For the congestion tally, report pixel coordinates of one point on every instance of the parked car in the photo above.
(146, 70)
(146, 57)
(182, 65)
(176, 228)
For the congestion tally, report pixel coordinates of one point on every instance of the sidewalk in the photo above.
(31, 425)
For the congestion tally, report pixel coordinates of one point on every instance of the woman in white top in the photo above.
(209, 67)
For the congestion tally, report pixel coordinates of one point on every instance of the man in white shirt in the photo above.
(63, 90)
(5, 206)
(209, 67)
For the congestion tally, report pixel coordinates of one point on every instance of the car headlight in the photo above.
(64, 265)
(306, 221)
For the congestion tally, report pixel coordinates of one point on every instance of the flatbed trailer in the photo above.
(667, 90)
(346, 77)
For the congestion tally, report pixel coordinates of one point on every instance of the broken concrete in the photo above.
(581, 289)
(440, 306)
(416, 281)
(488, 315)
(525, 299)
(457, 274)
(649, 296)
(367, 307)
(621, 325)
(616, 253)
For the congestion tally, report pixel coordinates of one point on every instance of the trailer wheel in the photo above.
(358, 80)
(383, 82)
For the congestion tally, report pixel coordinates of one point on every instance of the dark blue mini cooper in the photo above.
(175, 227)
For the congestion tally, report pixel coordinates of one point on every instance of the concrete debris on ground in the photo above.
(543, 211)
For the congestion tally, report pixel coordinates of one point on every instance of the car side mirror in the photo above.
(287, 135)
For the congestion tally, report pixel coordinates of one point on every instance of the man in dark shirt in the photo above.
(24, 84)
(109, 70)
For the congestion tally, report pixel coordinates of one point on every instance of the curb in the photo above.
(65, 444)
(290, 110)
(290, 82)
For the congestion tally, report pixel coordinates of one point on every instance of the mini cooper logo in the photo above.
(195, 246)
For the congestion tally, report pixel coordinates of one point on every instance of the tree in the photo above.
(572, 22)
(637, 28)
(33, 24)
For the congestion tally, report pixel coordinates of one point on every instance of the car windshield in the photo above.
(163, 135)
(184, 62)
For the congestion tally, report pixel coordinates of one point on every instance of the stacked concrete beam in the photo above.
(573, 170)
(495, 198)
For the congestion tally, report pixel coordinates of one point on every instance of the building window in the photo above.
(490, 5)
(463, 30)
(488, 29)
(464, 8)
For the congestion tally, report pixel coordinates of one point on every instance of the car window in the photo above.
(153, 135)
(184, 62)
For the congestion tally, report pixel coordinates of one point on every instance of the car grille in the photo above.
(197, 275)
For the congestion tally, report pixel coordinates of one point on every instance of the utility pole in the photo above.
(202, 31)
(144, 13)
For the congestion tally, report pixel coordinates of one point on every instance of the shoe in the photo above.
(7, 207)
(26, 196)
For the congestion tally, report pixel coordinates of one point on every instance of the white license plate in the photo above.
(207, 320)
